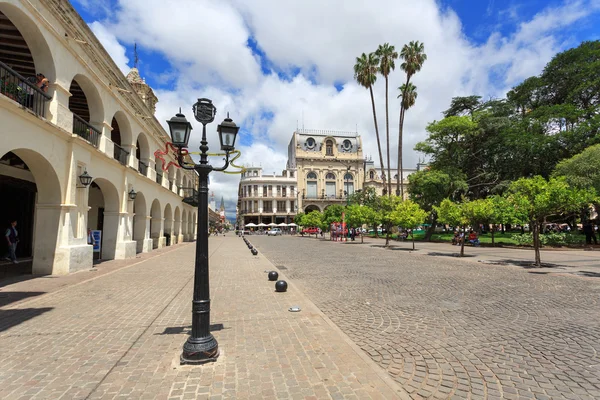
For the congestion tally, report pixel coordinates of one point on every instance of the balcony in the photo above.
(121, 154)
(86, 131)
(13, 85)
(142, 168)
(159, 178)
(190, 196)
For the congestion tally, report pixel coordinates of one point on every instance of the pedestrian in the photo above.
(588, 229)
(352, 233)
(12, 238)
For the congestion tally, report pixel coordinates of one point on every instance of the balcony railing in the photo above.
(121, 154)
(170, 185)
(143, 168)
(22, 90)
(86, 131)
(159, 177)
(190, 196)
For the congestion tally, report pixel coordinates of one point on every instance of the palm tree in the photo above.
(365, 73)
(414, 56)
(387, 54)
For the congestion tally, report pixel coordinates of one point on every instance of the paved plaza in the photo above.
(446, 327)
(117, 333)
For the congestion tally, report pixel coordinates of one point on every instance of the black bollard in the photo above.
(280, 286)
(273, 275)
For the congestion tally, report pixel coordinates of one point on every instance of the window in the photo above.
(270, 191)
(311, 185)
(310, 143)
(265, 191)
(330, 185)
(371, 174)
(244, 192)
(292, 205)
(281, 206)
(283, 192)
(278, 191)
(291, 191)
(348, 184)
(291, 174)
(255, 206)
(329, 148)
(267, 206)
(347, 145)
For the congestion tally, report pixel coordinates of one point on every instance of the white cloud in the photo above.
(206, 43)
(112, 45)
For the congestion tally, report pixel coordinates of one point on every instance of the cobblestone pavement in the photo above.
(119, 336)
(450, 328)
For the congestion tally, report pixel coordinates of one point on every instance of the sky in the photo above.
(275, 65)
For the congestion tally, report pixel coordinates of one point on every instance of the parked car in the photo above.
(310, 231)
(274, 232)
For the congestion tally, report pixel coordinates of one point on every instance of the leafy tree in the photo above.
(534, 199)
(314, 218)
(365, 73)
(386, 208)
(455, 214)
(299, 219)
(414, 56)
(332, 213)
(358, 215)
(409, 215)
(429, 187)
(460, 106)
(387, 54)
(582, 170)
(366, 196)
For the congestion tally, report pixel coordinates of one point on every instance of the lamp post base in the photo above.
(200, 350)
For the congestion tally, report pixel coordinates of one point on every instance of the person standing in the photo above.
(588, 229)
(12, 237)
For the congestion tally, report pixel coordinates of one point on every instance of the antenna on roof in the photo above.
(136, 59)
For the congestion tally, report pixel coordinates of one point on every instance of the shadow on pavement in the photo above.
(524, 264)
(12, 297)
(588, 274)
(10, 318)
(177, 330)
(450, 254)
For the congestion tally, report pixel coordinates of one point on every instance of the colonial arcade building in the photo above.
(91, 122)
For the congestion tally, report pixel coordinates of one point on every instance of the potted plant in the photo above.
(11, 89)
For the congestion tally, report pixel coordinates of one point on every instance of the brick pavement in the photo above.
(119, 335)
(449, 328)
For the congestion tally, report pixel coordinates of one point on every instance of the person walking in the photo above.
(588, 229)
(12, 238)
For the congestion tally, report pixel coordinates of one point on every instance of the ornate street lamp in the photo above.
(132, 194)
(85, 179)
(201, 346)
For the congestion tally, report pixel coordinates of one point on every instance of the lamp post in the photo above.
(201, 346)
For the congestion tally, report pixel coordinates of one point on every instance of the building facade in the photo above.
(330, 167)
(266, 198)
(91, 121)
(373, 178)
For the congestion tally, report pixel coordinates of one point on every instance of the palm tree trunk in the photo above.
(400, 137)
(377, 135)
(387, 135)
(399, 187)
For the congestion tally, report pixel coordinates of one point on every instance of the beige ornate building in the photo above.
(330, 167)
(266, 198)
(373, 178)
(92, 119)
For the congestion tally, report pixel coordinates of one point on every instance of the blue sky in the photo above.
(277, 65)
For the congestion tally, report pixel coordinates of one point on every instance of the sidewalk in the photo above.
(119, 335)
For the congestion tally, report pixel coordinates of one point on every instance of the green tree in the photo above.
(358, 215)
(366, 196)
(454, 214)
(386, 210)
(299, 219)
(314, 218)
(387, 54)
(429, 187)
(582, 170)
(414, 56)
(365, 73)
(332, 213)
(409, 215)
(534, 199)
